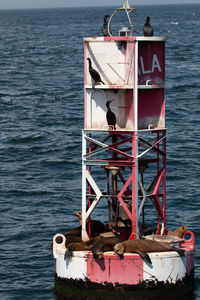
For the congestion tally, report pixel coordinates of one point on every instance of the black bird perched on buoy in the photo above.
(104, 28)
(147, 28)
(110, 116)
(94, 74)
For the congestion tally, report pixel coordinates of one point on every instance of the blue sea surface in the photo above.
(41, 55)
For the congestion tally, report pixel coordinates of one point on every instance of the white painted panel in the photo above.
(166, 266)
(108, 58)
(73, 267)
(96, 109)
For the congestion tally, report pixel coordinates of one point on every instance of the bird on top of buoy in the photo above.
(147, 28)
(104, 28)
(110, 116)
(94, 74)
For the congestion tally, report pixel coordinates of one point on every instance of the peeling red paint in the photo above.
(115, 270)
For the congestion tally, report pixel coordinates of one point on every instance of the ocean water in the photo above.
(41, 55)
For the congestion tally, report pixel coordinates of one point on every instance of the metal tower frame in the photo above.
(129, 151)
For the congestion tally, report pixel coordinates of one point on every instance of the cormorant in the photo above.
(110, 116)
(94, 74)
(104, 28)
(147, 28)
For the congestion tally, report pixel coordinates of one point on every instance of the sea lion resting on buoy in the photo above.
(72, 239)
(88, 245)
(178, 231)
(74, 231)
(77, 244)
(96, 227)
(141, 247)
(81, 246)
(103, 245)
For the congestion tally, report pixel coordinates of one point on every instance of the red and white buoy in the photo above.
(131, 158)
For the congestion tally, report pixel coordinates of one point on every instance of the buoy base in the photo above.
(81, 276)
(82, 290)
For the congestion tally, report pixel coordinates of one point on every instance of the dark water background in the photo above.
(41, 52)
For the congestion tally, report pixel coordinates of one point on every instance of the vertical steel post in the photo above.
(136, 136)
(164, 180)
(158, 169)
(135, 230)
(135, 86)
(84, 189)
(90, 191)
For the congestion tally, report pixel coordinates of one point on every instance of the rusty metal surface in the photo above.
(79, 289)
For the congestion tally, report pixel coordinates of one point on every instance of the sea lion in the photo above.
(103, 245)
(96, 226)
(79, 215)
(72, 239)
(107, 234)
(178, 231)
(81, 246)
(88, 245)
(141, 247)
(145, 230)
(74, 231)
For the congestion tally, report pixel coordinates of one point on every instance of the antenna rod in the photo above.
(126, 5)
